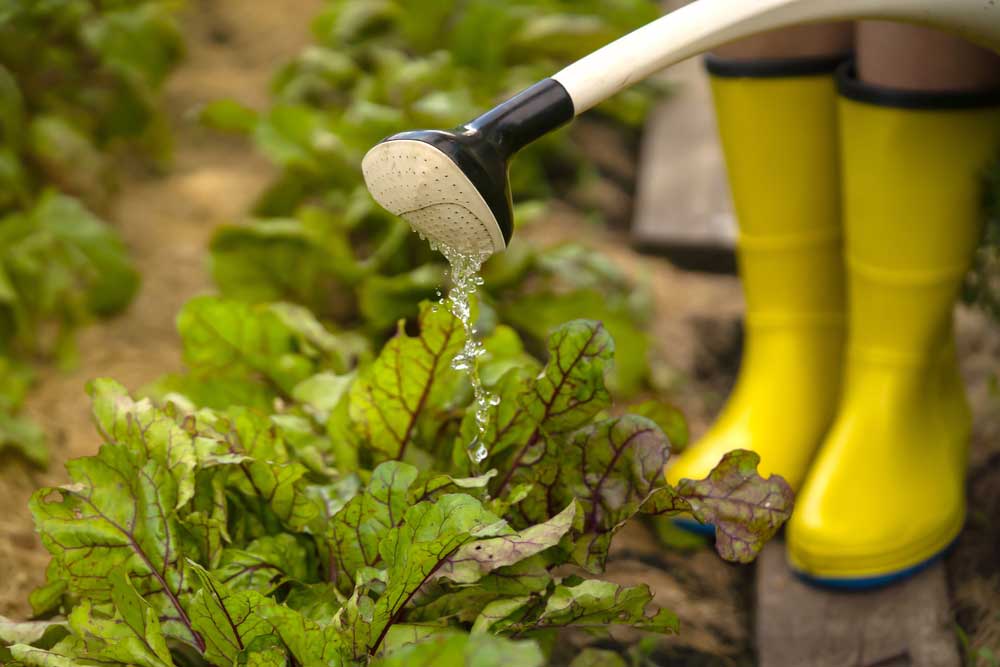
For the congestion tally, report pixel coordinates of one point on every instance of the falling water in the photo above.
(465, 279)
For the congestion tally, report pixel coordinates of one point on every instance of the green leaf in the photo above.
(299, 137)
(459, 650)
(411, 378)
(501, 614)
(141, 41)
(226, 621)
(24, 436)
(537, 314)
(130, 423)
(595, 657)
(99, 255)
(434, 486)
(264, 651)
(670, 420)
(11, 109)
(412, 553)
(282, 259)
(384, 300)
(69, 157)
(36, 657)
(272, 479)
(566, 395)
(745, 509)
(358, 529)
(564, 35)
(317, 602)
(571, 389)
(322, 392)
(611, 467)
(229, 338)
(265, 564)
(228, 116)
(117, 516)
(133, 636)
(237, 624)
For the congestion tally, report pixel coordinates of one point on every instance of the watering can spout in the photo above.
(451, 186)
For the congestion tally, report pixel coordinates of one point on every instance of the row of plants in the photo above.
(67, 111)
(347, 525)
(302, 493)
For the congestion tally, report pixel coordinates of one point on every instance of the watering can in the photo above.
(452, 185)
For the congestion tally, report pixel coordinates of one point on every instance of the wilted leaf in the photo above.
(745, 509)
(476, 559)
(597, 604)
(26, 632)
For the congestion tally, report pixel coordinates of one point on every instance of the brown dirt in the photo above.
(166, 221)
(974, 564)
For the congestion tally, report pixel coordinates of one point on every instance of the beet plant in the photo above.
(277, 505)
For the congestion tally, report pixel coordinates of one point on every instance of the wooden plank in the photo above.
(682, 203)
(908, 624)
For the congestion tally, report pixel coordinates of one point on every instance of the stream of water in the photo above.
(465, 280)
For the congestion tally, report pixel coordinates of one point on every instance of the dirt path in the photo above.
(167, 221)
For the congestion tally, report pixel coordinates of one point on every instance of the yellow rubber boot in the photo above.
(886, 492)
(777, 121)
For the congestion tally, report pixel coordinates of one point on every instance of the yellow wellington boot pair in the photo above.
(778, 125)
(885, 492)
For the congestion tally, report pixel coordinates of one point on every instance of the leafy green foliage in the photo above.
(382, 67)
(64, 110)
(982, 286)
(288, 534)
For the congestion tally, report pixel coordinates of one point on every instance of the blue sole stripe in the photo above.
(869, 583)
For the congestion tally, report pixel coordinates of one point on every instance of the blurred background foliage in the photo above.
(378, 67)
(79, 83)
(982, 288)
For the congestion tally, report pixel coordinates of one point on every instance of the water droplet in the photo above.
(477, 452)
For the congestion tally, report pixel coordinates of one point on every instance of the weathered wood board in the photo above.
(682, 206)
(908, 624)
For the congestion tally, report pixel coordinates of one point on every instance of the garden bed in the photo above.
(168, 219)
